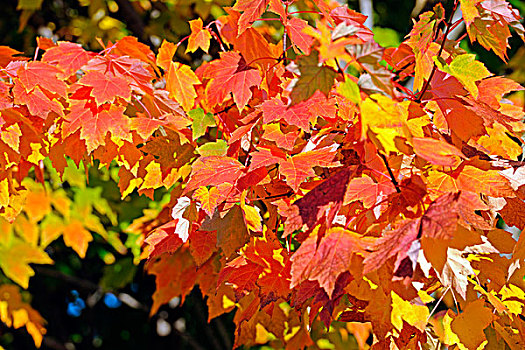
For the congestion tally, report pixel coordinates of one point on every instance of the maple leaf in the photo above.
(145, 127)
(440, 219)
(472, 179)
(106, 86)
(132, 47)
(228, 75)
(202, 245)
(492, 90)
(214, 170)
(69, 57)
(385, 117)
(180, 81)
(295, 27)
(354, 21)
(394, 243)
(272, 132)
(299, 167)
(513, 213)
(77, 237)
(366, 190)
(310, 208)
(298, 115)
(42, 74)
(489, 182)
(253, 9)
(231, 230)
(95, 123)
(175, 276)
(313, 77)
(6, 100)
(324, 262)
(275, 282)
(469, 325)
(457, 269)
(199, 37)
(242, 274)
(7, 55)
(163, 239)
(265, 156)
(17, 313)
(251, 44)
(437, 151)
(469, 10)
(15, 258)
(405, 311)
(201, 121)
(301, 114)
(467, 70)
(166, 52)
(209, 198)
(11, 136)
(170, 151)
(489, 22)
(37, 102)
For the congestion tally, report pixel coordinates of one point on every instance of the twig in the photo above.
(223, 332)
(189, 339)
(392, 177)
(201, 312)
(79, 282)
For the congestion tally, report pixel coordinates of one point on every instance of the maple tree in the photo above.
(307, 187)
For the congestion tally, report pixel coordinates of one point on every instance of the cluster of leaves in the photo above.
(317, 195)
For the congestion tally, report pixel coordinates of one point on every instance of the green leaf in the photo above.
(314, 76)
(386, 37)
(16, 257)
(466, 69)
(217, 148)
(29, 4)
(201, 122)
(350, 90)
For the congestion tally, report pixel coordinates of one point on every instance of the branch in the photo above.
(53, 343)
(392, 177)
(79, 282)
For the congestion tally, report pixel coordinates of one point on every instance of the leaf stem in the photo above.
(268, 19)
(295, 12)
(182, 40)
(36, 53)
(262, 58)
(438, 302)
(217, 35)
(143, 106)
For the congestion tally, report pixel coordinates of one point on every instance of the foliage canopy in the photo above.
(305, 185)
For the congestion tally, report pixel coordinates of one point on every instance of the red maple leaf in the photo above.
(228, 75)
(106, 86)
